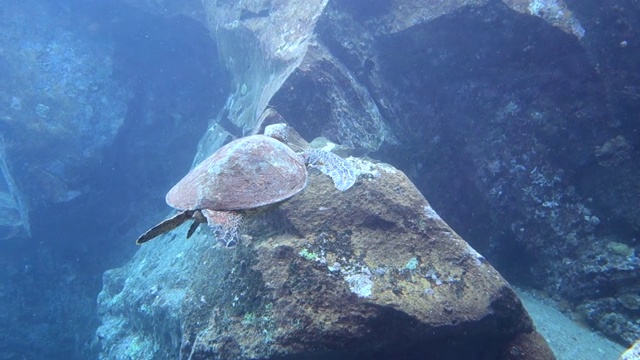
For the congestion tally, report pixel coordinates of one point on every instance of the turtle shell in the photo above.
(246, 173)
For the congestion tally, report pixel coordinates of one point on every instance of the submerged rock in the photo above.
(63, 107)
(369, 272)
(518, 115)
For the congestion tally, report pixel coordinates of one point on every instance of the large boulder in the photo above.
(370, 272)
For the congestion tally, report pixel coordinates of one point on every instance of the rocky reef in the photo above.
(515, 118)
(371, 272)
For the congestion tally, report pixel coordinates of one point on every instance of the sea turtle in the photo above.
(247, 173)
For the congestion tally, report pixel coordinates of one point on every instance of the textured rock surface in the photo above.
(372, 271)
(540, 133)
(261, 43)
(14, 214)
(633, 353)
(325, 97)
(61, 106)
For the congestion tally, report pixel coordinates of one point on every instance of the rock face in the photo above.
(516, 118)
(262, 43)
(14, 216)
(61, 106)
(372, 272)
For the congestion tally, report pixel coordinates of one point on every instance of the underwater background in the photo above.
(518, 120)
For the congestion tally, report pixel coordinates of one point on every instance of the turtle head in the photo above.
(288, 135)
(340, 170)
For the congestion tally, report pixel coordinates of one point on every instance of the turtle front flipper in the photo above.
(340, 170)
(168, 225)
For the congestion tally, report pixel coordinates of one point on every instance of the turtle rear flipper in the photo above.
(167, 225)
(198, 218)
(225, 225)
(340, 170)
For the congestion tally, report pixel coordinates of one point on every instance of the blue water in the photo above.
(124, 98)
(523, 136)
